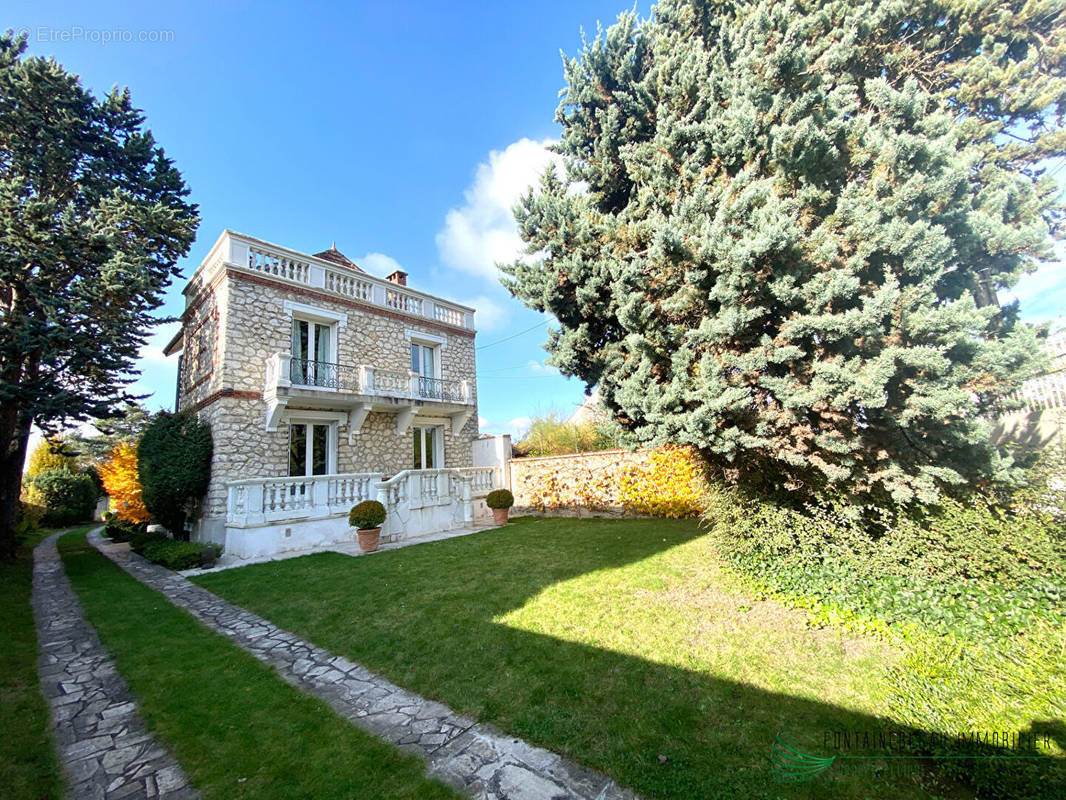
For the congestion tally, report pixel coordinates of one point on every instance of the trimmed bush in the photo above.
(67, 497)
(119, 530)
(368, 514)
(174, 467)
(499, 498)
(173, 555)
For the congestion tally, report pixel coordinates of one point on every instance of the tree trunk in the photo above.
(14, 438)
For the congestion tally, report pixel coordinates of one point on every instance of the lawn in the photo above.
(29, 769)
(620, 643)
(235, 726)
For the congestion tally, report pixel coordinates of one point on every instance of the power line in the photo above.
(512, 336)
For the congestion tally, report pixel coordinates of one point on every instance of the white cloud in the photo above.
(379, 264)
(491, 315)
(540, 368)
(483, 231)
(152, 351)
(517, 427)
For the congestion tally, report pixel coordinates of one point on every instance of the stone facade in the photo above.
(236, 319)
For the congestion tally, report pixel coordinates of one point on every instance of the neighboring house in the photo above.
(590, 410)
(324, 386)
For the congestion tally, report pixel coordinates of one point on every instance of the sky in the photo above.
(402, 132)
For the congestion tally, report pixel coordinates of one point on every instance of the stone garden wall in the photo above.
(664, 482)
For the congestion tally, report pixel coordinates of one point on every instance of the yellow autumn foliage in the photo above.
(119, 476)
(669, 482)
(49, 455)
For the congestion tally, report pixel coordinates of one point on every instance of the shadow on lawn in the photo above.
(425, 617)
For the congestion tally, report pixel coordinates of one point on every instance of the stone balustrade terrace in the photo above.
(245, 253)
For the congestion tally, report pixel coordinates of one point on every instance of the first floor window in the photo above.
(312, 353)
(427, 448)
(309, 448)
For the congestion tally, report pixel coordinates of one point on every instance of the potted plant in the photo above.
(366, 518)
(499, 500)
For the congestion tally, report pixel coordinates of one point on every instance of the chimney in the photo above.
(399, 277)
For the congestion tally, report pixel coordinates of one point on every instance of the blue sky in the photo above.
(402, 132)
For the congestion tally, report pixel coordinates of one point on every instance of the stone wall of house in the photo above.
(577, 483)
(201, 373)
(261, 325)
(244, 320)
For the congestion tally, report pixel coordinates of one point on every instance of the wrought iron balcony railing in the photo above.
(362, 379)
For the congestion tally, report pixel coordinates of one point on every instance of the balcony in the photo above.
(360, 389)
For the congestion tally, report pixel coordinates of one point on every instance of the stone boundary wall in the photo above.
(577, 484)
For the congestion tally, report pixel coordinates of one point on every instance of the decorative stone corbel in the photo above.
(356, 417)
(275, 408)
(405, 418)
(459, 420)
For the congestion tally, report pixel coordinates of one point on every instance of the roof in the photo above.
(337, 257)
(175, 344)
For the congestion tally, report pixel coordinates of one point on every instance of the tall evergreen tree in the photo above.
(782, 225)
(93, 218)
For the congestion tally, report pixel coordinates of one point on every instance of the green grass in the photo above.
(29, 769)
(614, 642)
(237, 729)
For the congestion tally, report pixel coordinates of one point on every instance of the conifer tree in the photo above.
(93, 219)
(783, 224)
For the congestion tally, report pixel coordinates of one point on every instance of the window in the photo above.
(424, 360)
(310, 448)
(426, 448)
(312, 353)
(425, 363)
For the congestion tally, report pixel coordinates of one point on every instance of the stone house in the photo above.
(324, 386)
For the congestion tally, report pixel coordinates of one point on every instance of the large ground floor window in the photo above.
(427, 447)
(311, 447)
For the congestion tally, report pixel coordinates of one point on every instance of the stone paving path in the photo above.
(471, 757)
(103, 743)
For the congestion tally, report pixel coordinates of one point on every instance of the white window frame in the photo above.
(437, 426)
(332, 421)
(323, 316)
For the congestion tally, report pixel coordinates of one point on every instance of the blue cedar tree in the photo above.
(780, 231)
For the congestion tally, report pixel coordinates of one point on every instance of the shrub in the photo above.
(67, 497)
(499, 498)
(671, 484)
(173, 554)
(174, 467)
(366, 515)
(121, 530)
(552, 436)
(28, 518)
(975, 588)
(50, 453)
(119, 476)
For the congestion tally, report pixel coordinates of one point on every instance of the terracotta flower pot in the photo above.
(499, 516)
(368, 539)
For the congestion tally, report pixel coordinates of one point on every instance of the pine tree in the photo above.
(782, 225)
(93, 219)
